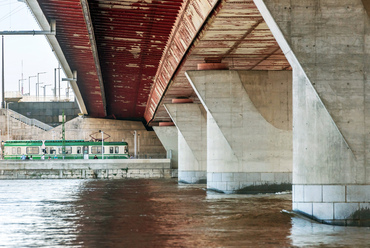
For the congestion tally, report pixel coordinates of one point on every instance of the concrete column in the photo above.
(248, 128)
(327, 44)
(168, 135)
(190, 120)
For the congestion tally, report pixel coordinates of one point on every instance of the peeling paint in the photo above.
(82, 47)
(133, 65)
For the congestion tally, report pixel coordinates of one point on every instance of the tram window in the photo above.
(19, 150)
(78, 150)
(96, 149)
(125, 149)
(13, 150)
(111, 149)
(117, 149)
(52, 150)
(68, 150)
(32, 150)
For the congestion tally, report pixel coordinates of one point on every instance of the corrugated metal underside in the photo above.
(236, 34)
(74, 40)
(130, 37)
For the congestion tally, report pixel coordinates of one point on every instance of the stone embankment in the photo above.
(87, 169)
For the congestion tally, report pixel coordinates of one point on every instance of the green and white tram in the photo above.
(74, 149)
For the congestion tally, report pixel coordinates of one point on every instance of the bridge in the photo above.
(265, 95)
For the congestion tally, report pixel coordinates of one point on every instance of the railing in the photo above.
(26, 120)
(149, 156)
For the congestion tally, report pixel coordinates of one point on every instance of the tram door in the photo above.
(86, 152)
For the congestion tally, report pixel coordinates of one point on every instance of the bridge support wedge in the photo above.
(191, 122)
(246, 152)
(169, 139)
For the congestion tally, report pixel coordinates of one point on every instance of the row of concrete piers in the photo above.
(305, 130)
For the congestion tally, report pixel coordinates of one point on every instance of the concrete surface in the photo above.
(240, 139)
(190, 120)
(169, 138)
(83, 169)
(327, 44)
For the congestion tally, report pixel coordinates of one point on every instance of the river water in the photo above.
(155, 213)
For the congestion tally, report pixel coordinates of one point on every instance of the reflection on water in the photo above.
(154, 213)
(305, 233)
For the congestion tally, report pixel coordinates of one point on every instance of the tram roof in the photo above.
(58, 143)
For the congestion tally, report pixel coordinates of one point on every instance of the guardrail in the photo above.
(26, 120)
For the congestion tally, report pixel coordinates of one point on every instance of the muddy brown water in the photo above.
(155, 213)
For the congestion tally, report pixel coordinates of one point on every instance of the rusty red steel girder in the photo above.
(73, 38)
(130, 37)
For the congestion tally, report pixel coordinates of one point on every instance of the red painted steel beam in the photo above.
(189, 23)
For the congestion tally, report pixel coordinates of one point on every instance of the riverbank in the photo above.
(87, 169)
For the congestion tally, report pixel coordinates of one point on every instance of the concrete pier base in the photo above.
(346, 205)
(249, 182)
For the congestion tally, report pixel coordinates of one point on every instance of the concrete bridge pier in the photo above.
(169, 138)
(249, 136)
(327, 44)
(191, 122)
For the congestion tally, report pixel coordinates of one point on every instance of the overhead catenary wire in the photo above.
(14, 11)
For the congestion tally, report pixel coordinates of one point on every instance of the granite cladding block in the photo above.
(331, 193)
(192, 177)
(334, 193)
(323, 211)
(312, 193)
(345, 210)
(358, 193)
(332, 203)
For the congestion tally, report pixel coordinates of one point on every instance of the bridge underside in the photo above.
(131, 56)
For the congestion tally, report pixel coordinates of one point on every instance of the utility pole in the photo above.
(2, 75)
(55, 82)
(63, 136)
(38, 83)
(20, 86)
(59, 81)
(29, 84)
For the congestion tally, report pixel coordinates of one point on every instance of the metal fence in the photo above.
(26, 120)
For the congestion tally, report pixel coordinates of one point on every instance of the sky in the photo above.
(34, 52)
